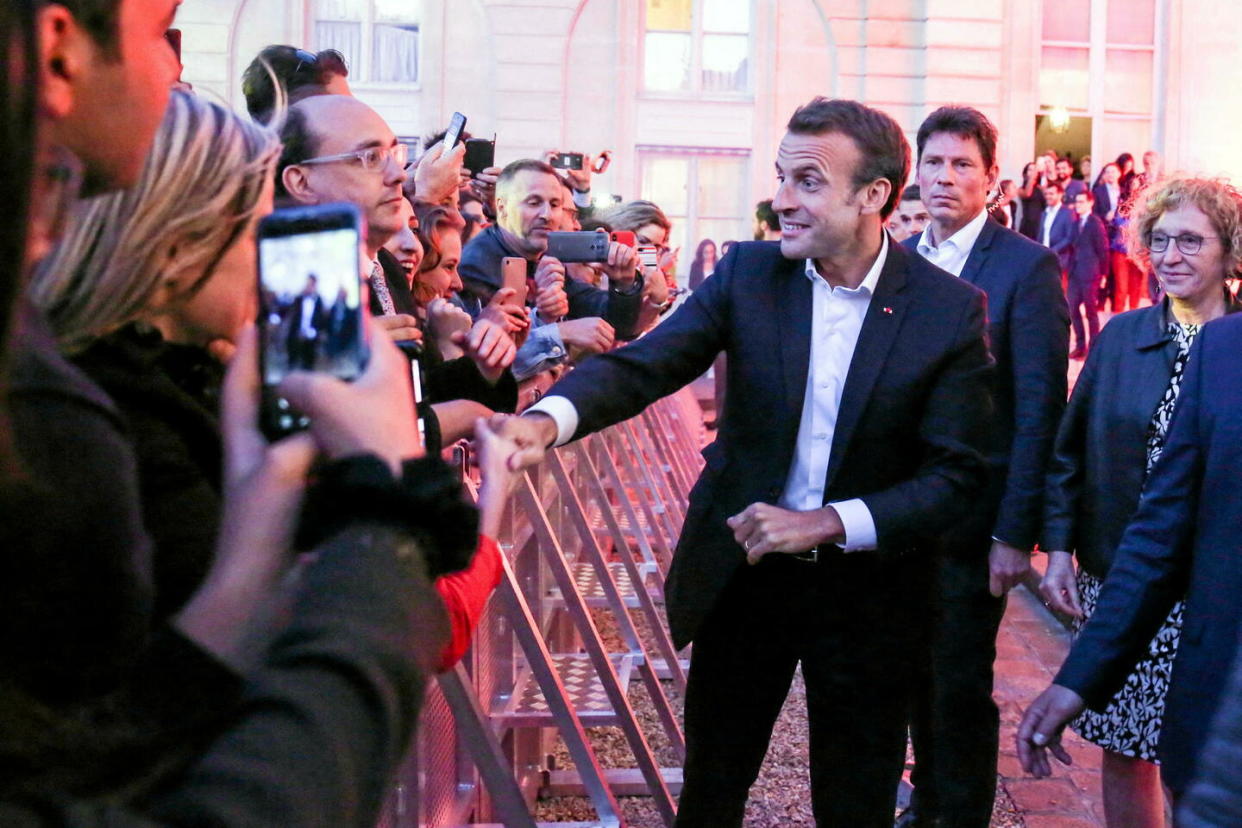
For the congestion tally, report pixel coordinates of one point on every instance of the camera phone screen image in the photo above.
(311, 304)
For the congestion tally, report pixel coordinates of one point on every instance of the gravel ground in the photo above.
(779, 798)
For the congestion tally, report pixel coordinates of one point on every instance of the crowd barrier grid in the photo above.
(592, 530)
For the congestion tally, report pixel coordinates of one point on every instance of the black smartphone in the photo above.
(567, 161)
(480, 154)
(583, 246)
(453, 134)
(310, 303)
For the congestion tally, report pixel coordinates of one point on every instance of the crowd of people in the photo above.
(208, 623)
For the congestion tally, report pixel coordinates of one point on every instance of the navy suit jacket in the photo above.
(1183, 540)
(910, 426)
(1028, 335)
(1061, 235)
(1089, 252)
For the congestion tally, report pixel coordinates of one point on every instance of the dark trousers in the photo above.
(1084, 295)
(954, 724)
(847, 619)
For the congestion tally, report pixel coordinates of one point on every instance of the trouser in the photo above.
(954, 724)
(1108, 289)
(847, 620)
(1129, 287)
(1083, 295)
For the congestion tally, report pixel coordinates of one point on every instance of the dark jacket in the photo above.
(1215, 798)
(1060, 235)
(480, 273)
(1097, 469)
(1182, 541)
(1028, 335)
(168, 395)
(1089, 251)
(909, 433)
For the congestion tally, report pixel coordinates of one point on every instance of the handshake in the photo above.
(526, 437)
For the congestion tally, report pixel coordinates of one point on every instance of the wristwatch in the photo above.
(634, 287)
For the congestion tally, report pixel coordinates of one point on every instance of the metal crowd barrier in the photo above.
(590, 531)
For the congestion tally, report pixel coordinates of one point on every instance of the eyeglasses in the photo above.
(1188, 243)
(370, 159)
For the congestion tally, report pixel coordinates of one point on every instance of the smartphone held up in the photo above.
(310, 303)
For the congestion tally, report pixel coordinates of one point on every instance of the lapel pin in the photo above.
(887, 310)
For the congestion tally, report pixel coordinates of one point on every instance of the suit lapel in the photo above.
(793, 314)
(879, 332)
(979, 253)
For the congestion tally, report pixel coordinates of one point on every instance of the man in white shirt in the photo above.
(1056, 225)
(857, 389)
(954, 722)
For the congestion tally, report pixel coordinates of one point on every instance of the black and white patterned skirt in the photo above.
(1130, 725)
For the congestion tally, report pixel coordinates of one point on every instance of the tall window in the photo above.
(379, 38)
(697, 46)
(1098, 59)
(704, 194)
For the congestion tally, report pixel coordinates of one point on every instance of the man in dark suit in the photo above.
(1087, 269)
(1056, 225)
(858, 392)
(1183, 540)
(954, 722)
(307, 318)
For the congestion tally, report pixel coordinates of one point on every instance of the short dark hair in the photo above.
(297, 71)
(512, 169)
(883, 148)
(300, 143)
(912, 193)
(1087, 192)
(964, 122)
(765, 214)
(436, 137)
(100, 19)
(1054, 185)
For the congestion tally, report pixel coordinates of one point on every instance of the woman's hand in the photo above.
(1059, 586)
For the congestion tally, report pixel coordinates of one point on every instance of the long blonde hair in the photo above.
(197, 195)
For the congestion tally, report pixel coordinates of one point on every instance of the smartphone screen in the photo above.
(310, 293)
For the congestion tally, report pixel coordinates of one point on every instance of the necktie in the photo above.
(380, 286)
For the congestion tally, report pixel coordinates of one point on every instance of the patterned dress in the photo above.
(1130, 725)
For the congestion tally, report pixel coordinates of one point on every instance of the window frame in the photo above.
(361, 67)
(697, 33)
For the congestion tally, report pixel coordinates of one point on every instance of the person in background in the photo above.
(1088, 267)
(284, 75)
(1107, 197)
(1008, 207)
(1056, 226)
(1109, 439)
(911, 215)
(1083, 171)
(1031, 194)
(767, 223)
(651, 228)
(704, 263)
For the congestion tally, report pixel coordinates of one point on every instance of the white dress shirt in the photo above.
(952, 253)
(836, 319)
(1114, 199)
(1050, 215)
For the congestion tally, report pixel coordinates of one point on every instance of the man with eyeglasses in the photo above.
(339, 149)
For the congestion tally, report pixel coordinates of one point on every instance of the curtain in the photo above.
(395, 58)
(345, 37)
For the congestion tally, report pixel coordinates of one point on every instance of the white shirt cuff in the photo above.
(858, 524)
(562, 411)
(582, 200)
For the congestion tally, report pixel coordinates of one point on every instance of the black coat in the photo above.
(1028, 335)
(910, 431)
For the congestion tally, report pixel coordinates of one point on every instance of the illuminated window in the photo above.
(697, 46)
(704, 194)
(379, 38)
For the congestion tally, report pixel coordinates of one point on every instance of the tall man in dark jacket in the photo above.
(1087, 269)
(858, 393)
(954, 722)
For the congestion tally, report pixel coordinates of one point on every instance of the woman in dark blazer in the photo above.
(1110, 437)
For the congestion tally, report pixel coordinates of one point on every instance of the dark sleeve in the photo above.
(76, 561)
(327, 719)
(1039, 354)
(952, 431)
(479, 270)
(1101, 246)
(459, 379)
(618, 309)
(1215, 797)
(1149, 571)
(615, 386)
(1069, 456)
